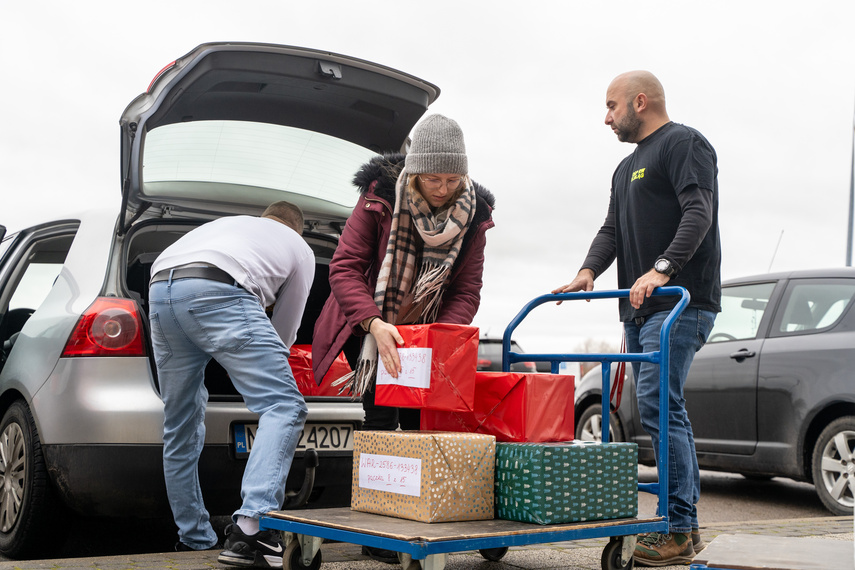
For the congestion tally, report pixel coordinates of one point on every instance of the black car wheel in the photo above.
(26, 499)
(589, 427)
(834, 466)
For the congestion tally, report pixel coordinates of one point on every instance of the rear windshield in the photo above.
(214, 159)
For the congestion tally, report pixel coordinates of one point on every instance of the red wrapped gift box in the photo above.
(514, 407)
(439, 362)
(301, 366)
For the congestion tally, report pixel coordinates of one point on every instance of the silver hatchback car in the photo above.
(227, 129)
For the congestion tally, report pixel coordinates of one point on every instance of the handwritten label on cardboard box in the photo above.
(390, 473)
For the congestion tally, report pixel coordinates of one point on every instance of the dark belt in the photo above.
(639, 321)
(210, 273)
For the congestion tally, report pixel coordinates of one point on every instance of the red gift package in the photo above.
(514, 407)
(301, 366)
(438, 373)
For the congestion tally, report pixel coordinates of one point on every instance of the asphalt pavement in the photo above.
(575, 555)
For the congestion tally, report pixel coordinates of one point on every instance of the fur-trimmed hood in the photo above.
(384, 169)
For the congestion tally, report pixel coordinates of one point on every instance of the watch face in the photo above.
(664, 266)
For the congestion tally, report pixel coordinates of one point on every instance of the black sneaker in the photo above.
(260, 550)
(181, 547)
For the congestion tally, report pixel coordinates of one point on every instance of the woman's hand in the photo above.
(388, 338)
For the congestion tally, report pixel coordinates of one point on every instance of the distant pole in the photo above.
(851, 198)
(771, 261)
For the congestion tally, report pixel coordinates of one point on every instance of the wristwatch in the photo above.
(664, 267)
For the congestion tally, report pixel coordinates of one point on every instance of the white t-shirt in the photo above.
(266, 257)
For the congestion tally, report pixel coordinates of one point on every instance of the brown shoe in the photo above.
(657, 549)
(697, 542)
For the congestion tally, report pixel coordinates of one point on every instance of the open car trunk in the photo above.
(232, 127)
(149, 239)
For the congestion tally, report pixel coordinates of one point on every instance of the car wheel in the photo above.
(27, 504)
(589, 427)
(833, 466)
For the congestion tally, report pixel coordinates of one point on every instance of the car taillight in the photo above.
(484, 363)
(109, 327)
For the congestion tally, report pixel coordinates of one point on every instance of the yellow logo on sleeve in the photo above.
(638, 174)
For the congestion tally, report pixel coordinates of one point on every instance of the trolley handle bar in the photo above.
(661, 357)
(509, 357)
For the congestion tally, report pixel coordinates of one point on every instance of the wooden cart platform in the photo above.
(431, 542)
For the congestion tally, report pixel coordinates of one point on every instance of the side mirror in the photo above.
(2, 232)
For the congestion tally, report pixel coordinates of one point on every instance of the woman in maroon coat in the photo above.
(427, 270)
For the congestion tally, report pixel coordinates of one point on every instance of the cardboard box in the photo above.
(439, 362)
(514, 407)
(424, 476)
(549, 483)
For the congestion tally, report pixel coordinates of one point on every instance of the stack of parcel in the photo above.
(491, 445)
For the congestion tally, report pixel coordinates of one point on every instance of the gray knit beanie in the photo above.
(437, 148)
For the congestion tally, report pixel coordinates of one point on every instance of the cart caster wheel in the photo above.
(611, 556)
(494, 554)
(407, 563)
(292, 558)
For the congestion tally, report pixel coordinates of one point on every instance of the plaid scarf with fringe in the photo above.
(441, 235)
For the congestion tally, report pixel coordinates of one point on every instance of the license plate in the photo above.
(321, 437)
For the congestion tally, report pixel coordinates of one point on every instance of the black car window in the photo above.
(812, 305)
(490, 356)
(494, 349)
(742, 309)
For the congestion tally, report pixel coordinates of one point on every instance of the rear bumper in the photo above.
(127, 480)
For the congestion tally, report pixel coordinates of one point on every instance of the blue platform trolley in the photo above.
(425, 546)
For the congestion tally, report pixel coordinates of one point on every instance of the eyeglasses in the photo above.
(433, 183)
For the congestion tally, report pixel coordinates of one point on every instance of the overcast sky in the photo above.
(771, 84)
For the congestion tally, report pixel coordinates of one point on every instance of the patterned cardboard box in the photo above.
(549, 483)
(424, 476)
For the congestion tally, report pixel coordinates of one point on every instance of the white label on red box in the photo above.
(402, 475)
(415, 363)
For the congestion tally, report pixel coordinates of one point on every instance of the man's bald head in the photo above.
(636, 103)
(632, 83)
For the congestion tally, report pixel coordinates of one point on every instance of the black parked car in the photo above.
(490, 356)
(773, 391)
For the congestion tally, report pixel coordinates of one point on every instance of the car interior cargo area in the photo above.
(149, 240)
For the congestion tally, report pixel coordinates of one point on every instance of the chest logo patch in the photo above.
(638, 174)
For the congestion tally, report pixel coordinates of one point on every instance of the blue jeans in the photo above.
(193, 320)
(688, 335)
